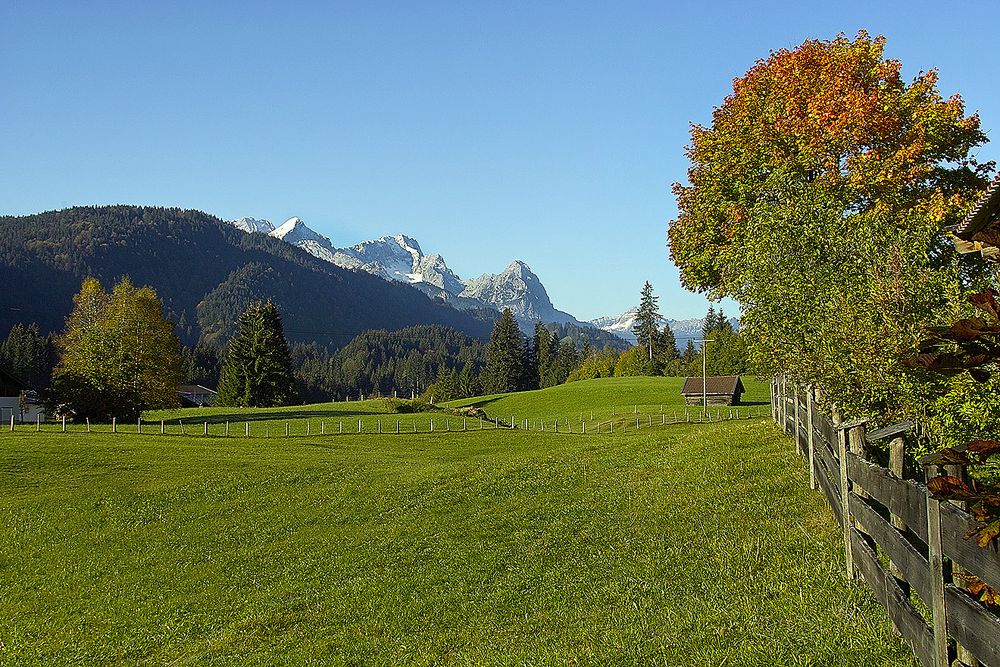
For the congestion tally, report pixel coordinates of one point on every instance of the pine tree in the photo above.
(543, 355)
(28, 355)
(709, 323)
(646, 318)
(566, 361)
(690, 352)
(529, 365)
(503, 370)
(722, 322)
(468, 382)
(257, 371)
(118, 355)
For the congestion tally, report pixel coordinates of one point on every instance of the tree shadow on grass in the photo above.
(484, 402)
(283, 415)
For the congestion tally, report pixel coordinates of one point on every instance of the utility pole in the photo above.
(704, 357)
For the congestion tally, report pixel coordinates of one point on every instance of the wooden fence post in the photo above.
(795, 423)
(897, 450)
(964, 656)
(845, 507)
(783, 409)
(856, 445)
(774, 403)
(809, 441)
(935, 558)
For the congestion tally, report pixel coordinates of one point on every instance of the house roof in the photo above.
(723, 384)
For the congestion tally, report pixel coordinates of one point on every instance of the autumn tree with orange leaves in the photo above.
(818, 199)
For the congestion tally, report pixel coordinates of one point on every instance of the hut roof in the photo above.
(723, 384)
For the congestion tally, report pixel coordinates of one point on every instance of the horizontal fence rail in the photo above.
(901, 541)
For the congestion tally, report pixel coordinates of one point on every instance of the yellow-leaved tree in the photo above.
(118, 355)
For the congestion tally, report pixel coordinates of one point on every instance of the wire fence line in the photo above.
(584, 423)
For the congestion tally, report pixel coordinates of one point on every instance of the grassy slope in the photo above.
(685, 545)
(593, 400)
(601, 395)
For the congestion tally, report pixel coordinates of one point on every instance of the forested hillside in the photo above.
(385, 361)
(204, 271)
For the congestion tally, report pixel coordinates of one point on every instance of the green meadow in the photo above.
(687, 544)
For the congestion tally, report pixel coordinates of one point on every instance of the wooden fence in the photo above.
(906, 545)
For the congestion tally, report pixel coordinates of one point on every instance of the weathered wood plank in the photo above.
(909, 623)
(904, 499)
(827, 476)
(973, 626)
(904, 555)
(984, 563)
(827, 485)
(889, 431)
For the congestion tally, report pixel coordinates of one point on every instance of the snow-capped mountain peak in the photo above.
(251, 225)
(518, 288)
(295, 231)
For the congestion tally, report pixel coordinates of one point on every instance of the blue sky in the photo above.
(488, 131)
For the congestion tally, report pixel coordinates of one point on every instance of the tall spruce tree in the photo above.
(503, 372)
(543, 354)
(710, 322)
(468, 382)
(645, 328)
(668, 343)
(257, 371)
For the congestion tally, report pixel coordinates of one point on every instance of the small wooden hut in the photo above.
(720, 390)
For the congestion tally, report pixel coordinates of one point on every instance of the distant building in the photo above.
(17, 402)
(196, 396)
(722, 390)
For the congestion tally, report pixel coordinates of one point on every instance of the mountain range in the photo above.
(205, 272)
(400, 258)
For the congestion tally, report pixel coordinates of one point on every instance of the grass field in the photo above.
(596, 402)
(605, 396)
(683, 545)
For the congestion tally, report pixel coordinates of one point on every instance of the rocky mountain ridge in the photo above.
(400, 258)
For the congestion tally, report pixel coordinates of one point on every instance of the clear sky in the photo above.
(489, 132)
